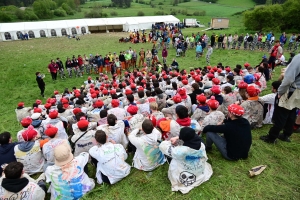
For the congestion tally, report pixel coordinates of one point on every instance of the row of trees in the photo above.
(40, 9)
(26, 3)
(268, 2)
(276, 17)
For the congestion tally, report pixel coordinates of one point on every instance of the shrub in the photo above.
(30, 15)
(160, 3)
(5, 17)
(199, 13)
(9, 8)
(159, 12)
(67, 8)
(113, 13)
(140, 13)
(20, 14)
(71, 12)
(94, 13)
(60, 12)
(173, 12)
(184, 12)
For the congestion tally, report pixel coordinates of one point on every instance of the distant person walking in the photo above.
(41, 83)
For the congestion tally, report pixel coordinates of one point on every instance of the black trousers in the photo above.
(272, 62)
(54, 75)
(283, 119)
(42, 88)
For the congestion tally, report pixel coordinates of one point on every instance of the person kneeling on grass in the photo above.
(15, 184)
(147, 156)
(188, 167)
(237, 138)
(111, 166)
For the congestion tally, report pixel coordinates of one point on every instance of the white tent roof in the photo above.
(95, 22)
(131, 20)
(7, 27)
(56, 24)
(35, 25)
(42, 25)
(74, 23)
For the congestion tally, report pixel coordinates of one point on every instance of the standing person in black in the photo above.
(220, 41)
(60, 65)
(212, 40)
(41, 83)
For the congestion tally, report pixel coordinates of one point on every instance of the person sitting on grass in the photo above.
(214, 117)
(6, 149)
(29, 152)
(67, 177)
(237, 139)
(48, 148)
(188, 167)
(216, 92)
(115, 130)
(229, 98)
(253, 107)
(201, 110)
(84, 137)
(22, 111)
(111, 165)
(103, 117)
(25, 122)
(147, 156)
(15, 184)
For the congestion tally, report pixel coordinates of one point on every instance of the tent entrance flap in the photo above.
(115, 28)
(97, 29)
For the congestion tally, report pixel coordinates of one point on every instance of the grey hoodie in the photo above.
(26, 146)
(291, 77)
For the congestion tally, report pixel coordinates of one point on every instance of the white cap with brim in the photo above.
(35, 116)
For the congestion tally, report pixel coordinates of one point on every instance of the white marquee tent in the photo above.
(12, 31)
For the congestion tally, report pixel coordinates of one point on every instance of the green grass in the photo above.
(280, 180)
(237, 3)
(224, 8)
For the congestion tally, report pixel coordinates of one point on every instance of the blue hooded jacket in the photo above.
(7, 154)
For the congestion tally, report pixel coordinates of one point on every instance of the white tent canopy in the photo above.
(12, 31)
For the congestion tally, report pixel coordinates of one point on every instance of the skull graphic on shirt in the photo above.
(187, 178)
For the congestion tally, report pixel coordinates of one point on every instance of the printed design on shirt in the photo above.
(25, 194)
(153, 154)
(187, 178)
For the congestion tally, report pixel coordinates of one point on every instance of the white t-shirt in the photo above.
(111, 161)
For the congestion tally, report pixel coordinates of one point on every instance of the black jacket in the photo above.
(194, 94)
(237, 134)
(40, 81)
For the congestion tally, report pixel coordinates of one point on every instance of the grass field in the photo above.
(21, 59)
(280, 180)
(224, 8)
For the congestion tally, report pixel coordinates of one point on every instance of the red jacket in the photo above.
(53, 67)
(80, 61)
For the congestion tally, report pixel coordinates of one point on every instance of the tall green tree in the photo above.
(44, 8)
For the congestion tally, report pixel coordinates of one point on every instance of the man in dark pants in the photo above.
(52, 68)
(284, 119)
(41, 83)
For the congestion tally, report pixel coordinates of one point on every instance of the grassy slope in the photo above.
(21, 59)
(229, 181)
